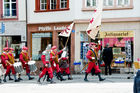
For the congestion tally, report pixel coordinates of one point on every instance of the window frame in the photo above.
(43, 4)
(10, 5)
(63, 2)
(122, 4)
(107, 3)
(91, 3)
(48, 9)
(106, 8)
(52, 4)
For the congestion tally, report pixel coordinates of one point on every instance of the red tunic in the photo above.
(65, 65)
(90, 54)
(11, 61)
(24, 58)
(4, 57)
(54, 61)
(46, 69)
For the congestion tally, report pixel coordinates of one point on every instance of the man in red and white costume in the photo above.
(24, 58)
(47, 65)
(64, 64)
(10, 66)
(54, 61)
(92, 59)
(4, 57)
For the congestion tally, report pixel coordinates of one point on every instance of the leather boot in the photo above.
(100, 78)
(61, 77)
(85, 79)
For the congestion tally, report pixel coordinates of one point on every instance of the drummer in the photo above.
(47, 65)
(24, 58)
(10, 66)
(4, 57)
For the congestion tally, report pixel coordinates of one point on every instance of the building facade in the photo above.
(46, 19)
(120, 27)
(13, 24)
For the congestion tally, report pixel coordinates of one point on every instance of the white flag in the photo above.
(95, 22)
(67, 31)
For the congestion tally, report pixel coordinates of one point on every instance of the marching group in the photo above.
(51, 61)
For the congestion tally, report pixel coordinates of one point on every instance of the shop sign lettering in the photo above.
(44, 28)
(116, 34)
(111, 34)
(48, 28)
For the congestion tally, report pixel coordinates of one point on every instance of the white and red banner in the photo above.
(67, 31)
(95, 22)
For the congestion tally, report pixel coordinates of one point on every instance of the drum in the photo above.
(18, 67)
(32, 66)
(2, 70)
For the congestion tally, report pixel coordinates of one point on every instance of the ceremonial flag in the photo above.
(95, 22)
(67, 31)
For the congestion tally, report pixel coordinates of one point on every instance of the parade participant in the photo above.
(1, 71)
(64, 64)
(4, 57)
(10, 66)
(24, 58)
(92, 59)
(47, 65)
(54, 62)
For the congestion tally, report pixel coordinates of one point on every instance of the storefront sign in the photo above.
(117, 34)
(48, 28)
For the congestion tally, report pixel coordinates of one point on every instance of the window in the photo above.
(9, 8)
(84, 45)
(51, 5)
(63, 4)
(39, 43)
(43, 4)
(108, 2)
(123, 2)
(91, 3)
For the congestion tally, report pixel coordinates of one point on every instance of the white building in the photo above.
(119, 16)
(13, 18)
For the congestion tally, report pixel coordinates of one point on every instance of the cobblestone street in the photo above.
(117, 83)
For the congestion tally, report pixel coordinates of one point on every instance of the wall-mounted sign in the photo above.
(48, 28)
(2, 28)
(112, 34)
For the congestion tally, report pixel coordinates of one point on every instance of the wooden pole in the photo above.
(67, 41)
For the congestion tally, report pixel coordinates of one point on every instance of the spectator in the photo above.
(107, 58)
(137, 83)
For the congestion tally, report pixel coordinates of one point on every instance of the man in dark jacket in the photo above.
(107, 58)
(137, 83)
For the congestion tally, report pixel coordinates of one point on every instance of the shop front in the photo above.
(13, 34)
(122, 44)
(40, 35)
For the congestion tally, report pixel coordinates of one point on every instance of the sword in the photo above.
(45, 77)
(84, 67)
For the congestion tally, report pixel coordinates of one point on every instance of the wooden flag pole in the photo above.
(67, 41)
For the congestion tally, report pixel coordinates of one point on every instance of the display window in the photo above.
(39, 44)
